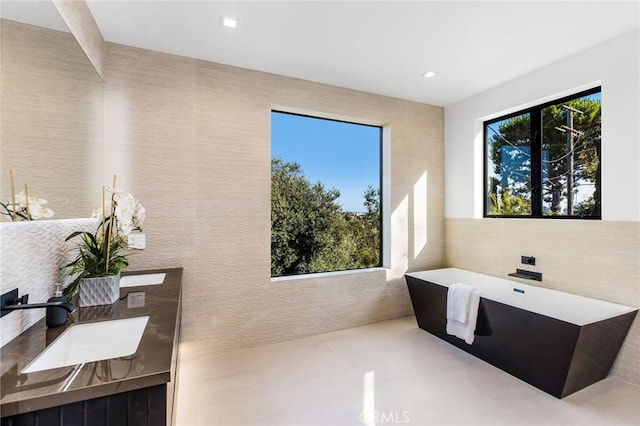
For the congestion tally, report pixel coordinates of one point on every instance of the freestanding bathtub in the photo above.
(555, 341)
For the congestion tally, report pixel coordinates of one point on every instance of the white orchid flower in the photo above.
(97, 212)
(128, 213)
(36, 211)
(21, 200)
(139, 216)
(46, 212)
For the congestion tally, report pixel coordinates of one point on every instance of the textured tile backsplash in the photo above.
(31, 258)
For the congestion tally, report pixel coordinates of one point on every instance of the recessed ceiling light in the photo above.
(429, 74)
(228, 22)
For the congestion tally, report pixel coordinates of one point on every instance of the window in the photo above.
(325, 195)
(545, 161)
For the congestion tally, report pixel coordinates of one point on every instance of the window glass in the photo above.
(325, 195)
(545, 161)
(571, 157)
(509, 166)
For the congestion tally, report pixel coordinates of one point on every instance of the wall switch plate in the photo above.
(135, 299)
(137, 241)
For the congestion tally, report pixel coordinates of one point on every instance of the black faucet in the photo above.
(10, 301)
(527, 275)
(17, 306)
(55, 316)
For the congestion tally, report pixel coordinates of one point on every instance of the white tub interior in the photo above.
(567, 307)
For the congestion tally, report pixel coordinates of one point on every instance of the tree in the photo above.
(305, 221)
(509, 205)
(585, 151)
(511, 157)
(309, 230)
(370, 242)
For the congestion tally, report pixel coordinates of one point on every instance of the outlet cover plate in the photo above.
(136, 299)
(137, 241)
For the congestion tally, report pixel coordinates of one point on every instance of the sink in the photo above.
(90, 342)
(142, 279)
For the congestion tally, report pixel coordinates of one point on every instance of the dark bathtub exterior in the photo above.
(557, 357)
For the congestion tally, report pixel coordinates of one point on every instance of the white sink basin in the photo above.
(90, 342)
(142, 279)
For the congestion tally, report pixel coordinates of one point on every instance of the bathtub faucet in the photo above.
(527, 275)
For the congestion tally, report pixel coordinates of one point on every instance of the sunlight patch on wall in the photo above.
(399, 240)
(420, 215)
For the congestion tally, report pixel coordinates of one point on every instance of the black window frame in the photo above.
(535, 134)
(380, 186)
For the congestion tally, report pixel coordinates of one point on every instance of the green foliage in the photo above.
(92, 261)
(588, 207)
(515, 132)
(309, 230)
(369, 248)
(509, 205)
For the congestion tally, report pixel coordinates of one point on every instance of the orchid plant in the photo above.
(104, 252)
(129, 214)
(24, 207)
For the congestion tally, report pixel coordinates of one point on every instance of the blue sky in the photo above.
(594, 96)
(340, 155)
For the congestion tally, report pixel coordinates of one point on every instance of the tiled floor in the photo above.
(386, 373)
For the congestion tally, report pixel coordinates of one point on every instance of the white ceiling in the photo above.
(379, 47)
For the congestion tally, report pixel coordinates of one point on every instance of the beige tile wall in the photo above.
(191, 140)
(52, 111)
(150, 145)
(599, 259)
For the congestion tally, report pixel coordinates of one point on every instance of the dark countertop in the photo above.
(149, 366)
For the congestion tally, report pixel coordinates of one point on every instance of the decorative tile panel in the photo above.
(32, 255)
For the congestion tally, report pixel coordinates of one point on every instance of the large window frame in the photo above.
(381, 192)
(535, 137)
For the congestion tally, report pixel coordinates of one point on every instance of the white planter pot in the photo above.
(99, 291)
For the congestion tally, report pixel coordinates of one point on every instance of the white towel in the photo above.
(458, 298)
(463, 302)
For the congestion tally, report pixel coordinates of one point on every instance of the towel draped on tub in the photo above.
(463, 302)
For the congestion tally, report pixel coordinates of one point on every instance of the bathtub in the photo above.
(555, 341)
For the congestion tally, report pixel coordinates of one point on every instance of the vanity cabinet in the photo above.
(136, 390)
(142, 407)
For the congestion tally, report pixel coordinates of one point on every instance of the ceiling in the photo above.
(379, 47)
